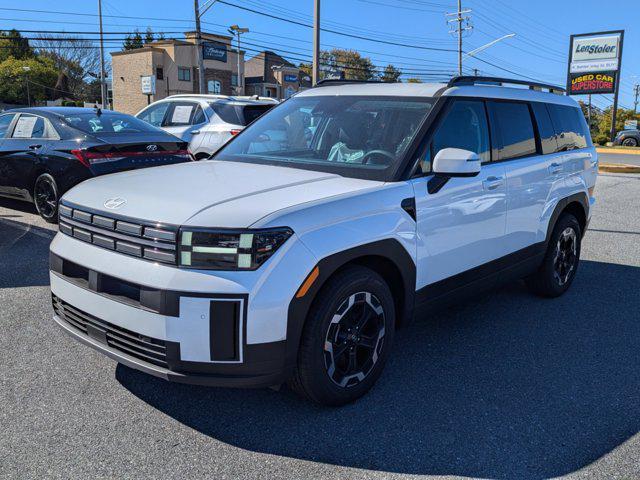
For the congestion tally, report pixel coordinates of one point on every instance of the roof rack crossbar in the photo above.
(473, 80)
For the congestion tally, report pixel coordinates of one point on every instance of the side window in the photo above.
(464, 126)
(5, 122)
(545, 128)
(30, 126)
(199, 116)
(181, 114)
(570, 127)
(514, 129)
(155, 114)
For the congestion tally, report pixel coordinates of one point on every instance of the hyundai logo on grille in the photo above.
(152, 148)
(114, 203)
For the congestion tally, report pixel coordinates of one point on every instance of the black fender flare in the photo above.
(580, 198)
(390, 249)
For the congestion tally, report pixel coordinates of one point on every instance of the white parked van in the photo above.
(327, 224)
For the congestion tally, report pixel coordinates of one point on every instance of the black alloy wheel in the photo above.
(45, 197)
(565, 257)
(354, 339)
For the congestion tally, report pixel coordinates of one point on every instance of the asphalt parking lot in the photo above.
(506, 386)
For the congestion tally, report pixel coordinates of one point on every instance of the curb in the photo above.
(618, 168)
(621, 151)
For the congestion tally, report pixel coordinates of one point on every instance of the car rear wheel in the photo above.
(346, 338)
(630, 142)
(558, 269)
(45, 197)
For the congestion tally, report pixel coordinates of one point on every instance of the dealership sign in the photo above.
(594, 62)
(214, 51)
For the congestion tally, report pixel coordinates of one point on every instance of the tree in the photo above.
(75, 57)
(131, 42)
(390, 74)
(414, 80)
(13, 44)
(41, 76)
(354, 65)
(148, 36)
(604, 125)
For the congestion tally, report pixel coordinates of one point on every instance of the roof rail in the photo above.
(339, 81)
(473, 80)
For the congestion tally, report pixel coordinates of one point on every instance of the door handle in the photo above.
(491, 183)
(555, 168)
(195, 132)
(35, 146)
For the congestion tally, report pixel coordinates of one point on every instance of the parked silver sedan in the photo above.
(207, 122)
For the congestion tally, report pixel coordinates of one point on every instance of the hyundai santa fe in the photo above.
(323, 227)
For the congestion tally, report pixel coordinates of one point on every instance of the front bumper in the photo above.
(185, 326)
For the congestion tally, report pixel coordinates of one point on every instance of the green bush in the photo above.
(601, 139)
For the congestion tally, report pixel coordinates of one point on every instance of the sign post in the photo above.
(595, 60)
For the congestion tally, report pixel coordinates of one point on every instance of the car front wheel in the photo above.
(45, 197)
(630, 142)
(346, 339)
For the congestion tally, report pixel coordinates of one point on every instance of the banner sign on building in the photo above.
(594, 62)
(214, 51)
(291, 78)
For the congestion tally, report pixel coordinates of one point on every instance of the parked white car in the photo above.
(328, 223)
(207, 122)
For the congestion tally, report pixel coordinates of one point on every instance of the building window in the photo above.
(159, 73)
(234, 80)
(184, 74)
(214, 86)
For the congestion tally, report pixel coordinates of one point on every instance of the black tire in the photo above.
(313, 377)
(630, 142)
(202, 156)
(45, 197)
(560, 264)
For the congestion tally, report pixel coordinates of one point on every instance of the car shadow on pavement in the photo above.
(506, 386)
(24, 254)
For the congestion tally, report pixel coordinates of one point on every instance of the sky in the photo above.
(411, 34)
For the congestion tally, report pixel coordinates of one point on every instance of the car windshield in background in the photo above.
(354, 136)
(107, 123)
(238, 114)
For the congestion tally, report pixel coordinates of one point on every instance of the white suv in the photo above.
(207, 122)
(330, 222)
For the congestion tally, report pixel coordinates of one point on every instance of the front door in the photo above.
(461, 225)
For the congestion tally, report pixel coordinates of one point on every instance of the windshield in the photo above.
(107, 123)
(355, 136)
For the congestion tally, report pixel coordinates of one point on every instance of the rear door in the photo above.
(6, 120)
(23, 151)
(527, 162)
(184, 120)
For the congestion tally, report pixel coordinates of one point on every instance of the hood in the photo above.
(209, 193)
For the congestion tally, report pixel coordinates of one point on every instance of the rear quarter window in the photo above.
(545, 128)
(570, 127)
(239, 114)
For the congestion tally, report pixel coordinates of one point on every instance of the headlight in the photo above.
(229, 249)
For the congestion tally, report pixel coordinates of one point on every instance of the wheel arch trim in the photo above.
(390, 249)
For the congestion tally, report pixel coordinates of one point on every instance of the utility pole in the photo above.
(199, 12)
(463, 23)
(27, 69)
(196, 7)
(636, 91)
(315, 70)
(235, 29)
(103, 85)
(589, 113)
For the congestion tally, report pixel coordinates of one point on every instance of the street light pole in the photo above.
(315, 69)
(103, 85)
(483, 47)
(196, 6)
(235, 29)
(636, 91)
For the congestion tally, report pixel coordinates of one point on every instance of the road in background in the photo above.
(628, 159)
(505, 386)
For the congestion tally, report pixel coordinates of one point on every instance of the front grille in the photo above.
(144, 348)
(156, 243)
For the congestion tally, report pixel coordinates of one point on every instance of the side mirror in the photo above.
(456, 162)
